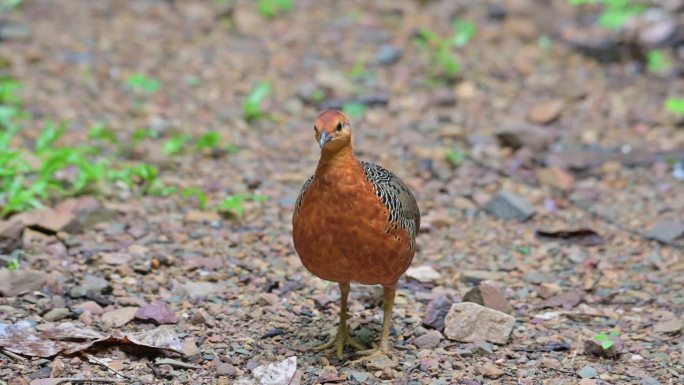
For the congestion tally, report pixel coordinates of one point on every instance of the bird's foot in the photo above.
(377, 358)
(339, 342)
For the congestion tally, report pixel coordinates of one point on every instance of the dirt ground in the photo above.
(586, 142)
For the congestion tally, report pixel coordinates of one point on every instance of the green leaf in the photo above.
(209, 140)
(252, 106)
(176, 144)
(657, 61)
(198, 194)
(143, 83)
(354, 110)
(100, 132)
(270, 8)
(464, 31)
(455, 157)
(144, 133)
(675, 105)
(13, 264)
(50, 134)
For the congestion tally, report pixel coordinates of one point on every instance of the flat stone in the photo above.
(423, 274)
(388, 54)
(489, 295)
(490, 370)
(435, 312)
(10, 235)
(547, 290)
(56, 314)
(474, 277)
(506, 205)
(95, 284)
(119, 317)
(545, 112)
(158, 312)
(189, 348)
(667, 231)
(587, 372)
(17, 282)
(470, 322)
(226, 369)
(428, 340)
(196, 290)
(669, 326)
(90, 306)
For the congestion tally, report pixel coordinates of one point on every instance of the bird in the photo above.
(354, 221)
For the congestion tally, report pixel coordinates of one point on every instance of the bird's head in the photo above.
(332, 131)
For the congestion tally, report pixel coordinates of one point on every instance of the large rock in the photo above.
(435, 312)
(489, 295)
(13, 283)
(470, 322)
(507, 205)
(10, 235)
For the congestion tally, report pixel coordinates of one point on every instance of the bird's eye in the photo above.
(315, 129)
(339, 126)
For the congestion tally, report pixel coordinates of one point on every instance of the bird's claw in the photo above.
(339, 342)
(379, 356)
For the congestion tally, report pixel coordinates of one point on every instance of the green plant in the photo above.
(524, 250)
(9, 91)
(657, 61)
(99, 131)
(606, 340)
(143, 83)
(50, 134)
(354, 110)
(144, 133)
(464, 31)
(14, 263)
(196, 193)
(234, 204)
(10, 4)
(252, 107)
(176, 144)
(360, 70)
(270, 8)
(675, 105)
(443, 62)
(614, 13)
(455, 157)
(208, 141)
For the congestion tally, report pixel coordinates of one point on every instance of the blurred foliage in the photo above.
(614, 13)
(444, 64)
(675, 105)
(234, 204)
(271, 8)
(252, 107)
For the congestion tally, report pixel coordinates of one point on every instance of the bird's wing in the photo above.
(306, 185)
(394, 194)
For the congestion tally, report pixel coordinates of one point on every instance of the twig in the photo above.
(97, 380)
(12, 355)
(159, 373)
(98, 361)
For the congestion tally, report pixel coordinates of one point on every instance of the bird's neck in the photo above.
(337, 160)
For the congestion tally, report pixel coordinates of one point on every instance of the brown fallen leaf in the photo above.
(582, 237)
(69, 338)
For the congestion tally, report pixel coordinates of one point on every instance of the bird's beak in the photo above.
(325, 138)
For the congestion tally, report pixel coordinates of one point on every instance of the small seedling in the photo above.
(143, 83)
(675, 105)
(614, 13)
(9, 91)
(144, 133)
(443, 63)
(354, 110)
(14, 264)
(50, 134)
(271, 8)
(524, 250)
(196, 193)
(455, 157)
(208, 141)
(606, 340)
(233, 204)
(464, 31)
(252, 107)
(99, 131)
(360, 71)
(176, 144)
(657, 61)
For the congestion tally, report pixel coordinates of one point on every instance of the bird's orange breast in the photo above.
(342, 234)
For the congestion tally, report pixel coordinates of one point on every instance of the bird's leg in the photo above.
(384, 347)
(342, 338)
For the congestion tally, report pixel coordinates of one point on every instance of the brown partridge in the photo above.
(354, 221)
